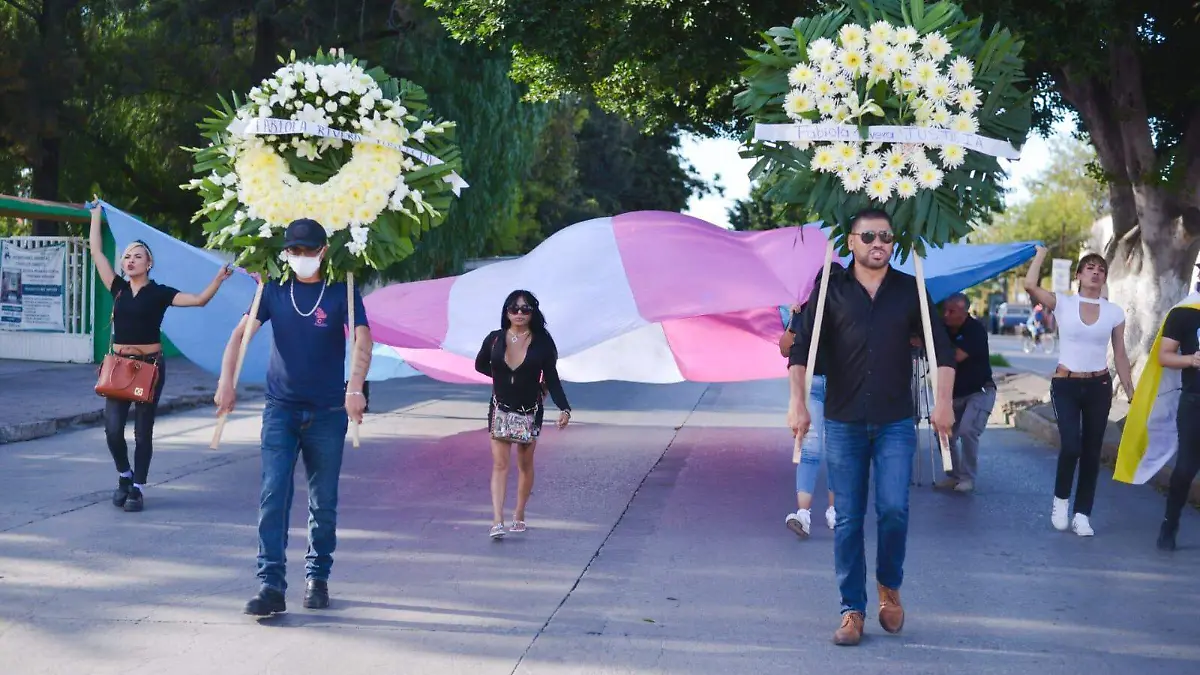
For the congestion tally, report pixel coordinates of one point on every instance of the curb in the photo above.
(1039, 421)
(28, 431)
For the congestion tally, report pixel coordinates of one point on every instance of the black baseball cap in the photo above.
(304, 233)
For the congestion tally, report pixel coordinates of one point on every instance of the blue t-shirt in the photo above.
(308, 357)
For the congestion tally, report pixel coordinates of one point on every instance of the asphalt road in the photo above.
(656, 545)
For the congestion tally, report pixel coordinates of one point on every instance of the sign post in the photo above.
(31, 288)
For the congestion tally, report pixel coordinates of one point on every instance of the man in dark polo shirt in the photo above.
(974, 391)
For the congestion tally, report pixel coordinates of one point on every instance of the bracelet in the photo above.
(355, 393)
(567, 413)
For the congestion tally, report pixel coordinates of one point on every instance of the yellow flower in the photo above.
(879, 189)
(825, 159)
(953, 156)
(969, 99)
(906, 187)
(852, 61)
(802, 74)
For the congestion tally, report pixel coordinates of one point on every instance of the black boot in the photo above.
(1166, 535)
(268, 601)
(134, 501)
(316, 594)
(124, 485)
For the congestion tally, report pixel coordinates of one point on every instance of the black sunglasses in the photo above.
(885, 236)
(520, 309)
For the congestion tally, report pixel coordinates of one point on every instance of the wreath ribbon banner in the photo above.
(885, 134)
(272, 126)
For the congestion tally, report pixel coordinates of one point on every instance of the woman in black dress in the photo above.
(522, 361)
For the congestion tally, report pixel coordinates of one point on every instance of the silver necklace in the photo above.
(516, 336)
(320, 297)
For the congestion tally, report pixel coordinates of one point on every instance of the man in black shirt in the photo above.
(1180, 350)
(871, 312)
(974, 391)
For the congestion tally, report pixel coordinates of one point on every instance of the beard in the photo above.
(870, 263)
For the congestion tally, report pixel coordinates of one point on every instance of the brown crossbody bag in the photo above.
(125, 378)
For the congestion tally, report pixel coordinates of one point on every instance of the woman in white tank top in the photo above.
(1081, 390)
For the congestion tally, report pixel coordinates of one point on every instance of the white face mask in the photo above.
(304, 266)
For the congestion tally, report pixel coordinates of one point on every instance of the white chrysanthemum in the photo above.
(825, 159)
(939, 89)
(916, 157)
(852, 61)
(882, 32)
(962, 70)
(935, 46)
(906, 187)
(821, 50)
(841, 114)
(852, 36)
(906, 35)
(826, 106)
(853, 179)
(877, 50)
(823, 89)
(796, 103)
(889, 174)
(842, 85)
(969, 99)
(847, 154)
(941, 117)
(908, 86)
(894, 159)
(964, 123)
(879, 72)
(879, 189)
(952, 156)
(923, 71)
(899, 58)
(871, 164)
(801, 145)
(829, 68)
(801, 75)
(930, 177)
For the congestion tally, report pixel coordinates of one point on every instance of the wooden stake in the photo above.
(816, 338)
(930, 353)
(237, 370)
(354, 433)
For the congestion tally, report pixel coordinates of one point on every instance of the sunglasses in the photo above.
(885, 236)
(520, 309)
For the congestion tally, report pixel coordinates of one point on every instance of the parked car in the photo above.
(1013, 317)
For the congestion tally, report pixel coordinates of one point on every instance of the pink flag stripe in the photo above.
(731, 347)
(413, 315)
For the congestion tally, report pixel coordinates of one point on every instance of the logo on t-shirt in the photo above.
(321, 318)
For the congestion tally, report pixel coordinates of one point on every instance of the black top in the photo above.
(137, 318)
(869, 376)
(973, 373)
(1183, 326)
(522, 388)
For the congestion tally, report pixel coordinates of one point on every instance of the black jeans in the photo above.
(1187, 462)
(1081, 405)
(116, 414)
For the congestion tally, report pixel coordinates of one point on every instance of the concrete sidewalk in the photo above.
(38, 399)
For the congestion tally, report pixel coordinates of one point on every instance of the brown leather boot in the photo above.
(850, 634)
(891, 612)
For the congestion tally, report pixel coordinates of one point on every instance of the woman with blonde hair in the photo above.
(139, 304)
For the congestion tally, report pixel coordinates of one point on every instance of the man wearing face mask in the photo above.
(308, 409)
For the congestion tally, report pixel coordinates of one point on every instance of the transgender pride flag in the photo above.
(649, 296)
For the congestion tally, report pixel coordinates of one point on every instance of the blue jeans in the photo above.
(850, 450)
(287, 434)
(814, 441)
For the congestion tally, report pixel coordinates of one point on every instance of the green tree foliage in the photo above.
(758, 212)
(1064, 200)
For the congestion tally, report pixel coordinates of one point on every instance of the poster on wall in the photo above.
(31, 288)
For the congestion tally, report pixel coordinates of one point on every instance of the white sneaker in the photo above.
(965, 486)
(1059, 514)
(1081, 526)
(831, 517)
(800, 522)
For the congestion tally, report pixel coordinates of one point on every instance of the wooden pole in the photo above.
(930, 353)
(352, 341)
(816, 338)
(237, 370)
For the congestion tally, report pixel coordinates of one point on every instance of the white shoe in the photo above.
(1081, 526)
(497, 531)
(831, 517)
(965, 486)
(800, 522)
(1059, 514)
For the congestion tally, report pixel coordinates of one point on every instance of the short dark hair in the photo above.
(870, 214)
(959, 297)
(1090, 259)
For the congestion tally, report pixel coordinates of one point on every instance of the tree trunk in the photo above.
(266, 46)
(45, 184)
